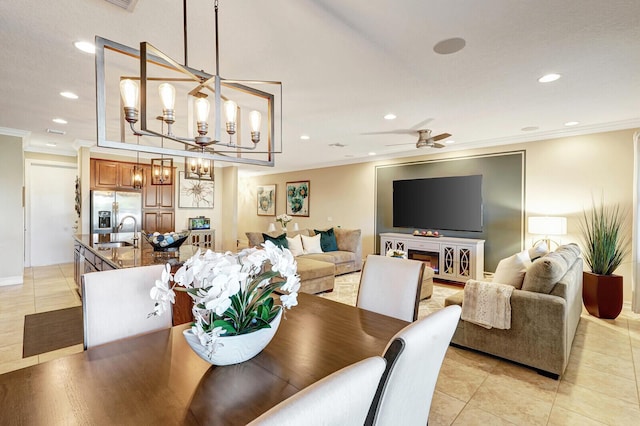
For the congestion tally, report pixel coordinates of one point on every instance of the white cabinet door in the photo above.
(456, 262)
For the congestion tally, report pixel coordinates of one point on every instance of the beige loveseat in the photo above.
(544, 315)
(317, 270)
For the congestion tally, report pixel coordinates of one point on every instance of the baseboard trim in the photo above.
(11, 280)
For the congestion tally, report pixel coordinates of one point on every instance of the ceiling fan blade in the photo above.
(422, 124)
(441, 136)
(397, 144)
(438, 145)
(392, 132)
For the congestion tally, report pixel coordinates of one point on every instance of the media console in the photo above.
(452, 259)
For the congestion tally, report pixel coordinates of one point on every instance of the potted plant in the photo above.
(235, 313)
(605, 246)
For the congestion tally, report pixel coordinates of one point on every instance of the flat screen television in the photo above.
(441, 203)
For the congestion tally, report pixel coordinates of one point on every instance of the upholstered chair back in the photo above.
(342, 398)
(414, 357)
(116, 303)
(391, 286)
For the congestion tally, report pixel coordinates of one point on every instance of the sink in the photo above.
(112, 244)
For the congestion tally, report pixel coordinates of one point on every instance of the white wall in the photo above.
(12, 223)
(561, 177)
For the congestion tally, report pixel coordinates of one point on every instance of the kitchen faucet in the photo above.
(135, 226)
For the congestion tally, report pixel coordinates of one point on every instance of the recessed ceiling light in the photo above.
(372, 153)
(56, 131)
(390, 117)
(85, 46)
(447, 142)
(305, 137)
(69, 95)
(529, 128)
(549, 78)
(51, 144)
(449, 46)
(59, 120)
(571, 123)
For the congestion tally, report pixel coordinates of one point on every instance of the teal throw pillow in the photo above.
(327, 240)
(279, 241)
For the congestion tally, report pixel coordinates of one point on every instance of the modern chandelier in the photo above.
(167, 108)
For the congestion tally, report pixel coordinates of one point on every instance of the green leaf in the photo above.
(229, 328)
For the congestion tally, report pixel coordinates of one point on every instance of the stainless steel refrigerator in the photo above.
(108, 208)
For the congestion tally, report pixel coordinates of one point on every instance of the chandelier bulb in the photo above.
(129, 93)
(256, 120)
(202, 110)
(167, 95)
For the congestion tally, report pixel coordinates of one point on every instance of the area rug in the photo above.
(48, 331)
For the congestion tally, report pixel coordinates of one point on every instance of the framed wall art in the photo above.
(298, 195)
(195, 194)
(266, 197)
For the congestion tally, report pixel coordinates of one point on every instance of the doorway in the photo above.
(51, 219)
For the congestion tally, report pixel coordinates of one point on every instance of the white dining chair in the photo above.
(342, 398)
(116, 304)
(414, 357)
(391, 286)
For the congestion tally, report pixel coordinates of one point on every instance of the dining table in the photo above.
(157, 378)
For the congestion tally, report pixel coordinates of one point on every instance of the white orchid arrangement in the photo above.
(232, 293)
(284, 219)
(396, 253)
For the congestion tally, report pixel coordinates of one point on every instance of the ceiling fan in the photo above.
(425, 140)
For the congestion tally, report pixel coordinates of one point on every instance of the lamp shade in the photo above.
(272, 227)
(547, 225)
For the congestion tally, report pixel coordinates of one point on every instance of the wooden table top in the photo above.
(157, 378)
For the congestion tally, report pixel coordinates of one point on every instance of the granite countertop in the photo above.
(130, 257)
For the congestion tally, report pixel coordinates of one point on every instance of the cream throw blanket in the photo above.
(487, 304)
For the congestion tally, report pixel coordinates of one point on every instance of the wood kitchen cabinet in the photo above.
(158, 221)
(157, 205)
(111, 175)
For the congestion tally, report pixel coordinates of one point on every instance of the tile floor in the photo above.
(600, 385)
(45, 289)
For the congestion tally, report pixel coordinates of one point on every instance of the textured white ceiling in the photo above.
(345, 64)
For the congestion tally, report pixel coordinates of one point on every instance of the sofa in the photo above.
(545, 312)
(318, 270)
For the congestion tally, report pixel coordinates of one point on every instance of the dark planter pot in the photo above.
(602, 294)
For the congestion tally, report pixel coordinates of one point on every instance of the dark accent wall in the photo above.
(502, 198)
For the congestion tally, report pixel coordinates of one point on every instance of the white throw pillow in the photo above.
(295, 245)
(311, 244)
(511, 270)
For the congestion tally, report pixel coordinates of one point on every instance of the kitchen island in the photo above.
(103, 252)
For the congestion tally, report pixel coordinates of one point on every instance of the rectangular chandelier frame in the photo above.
(217, 151)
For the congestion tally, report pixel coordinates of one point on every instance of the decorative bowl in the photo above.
(169, 241)
(235, 349)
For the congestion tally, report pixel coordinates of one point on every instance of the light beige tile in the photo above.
(523, 380)
(11, 358)
(444, 409)
(460, 381)
(603, 382)
(12, 336)
(473, 416)
(17, 364)
(70, 350)
(614, 346)
(471, 358)
(563, 417)
(501, 399)
(596, 405)
(615, 365)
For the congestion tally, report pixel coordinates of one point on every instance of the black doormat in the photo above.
(48, 331)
